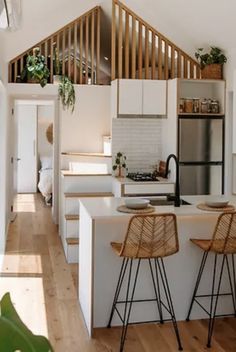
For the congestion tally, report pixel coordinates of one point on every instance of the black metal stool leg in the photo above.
(202, 265)
(169, 300)
(156, 289)
(212, 316)
(118, 288)
(231, 284)
(126, 319)
(234, 278)
(159, 292)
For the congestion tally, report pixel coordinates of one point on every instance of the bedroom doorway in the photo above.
(35, 159)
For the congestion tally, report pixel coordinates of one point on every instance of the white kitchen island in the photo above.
(101, 223)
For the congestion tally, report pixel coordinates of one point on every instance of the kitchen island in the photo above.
(101, 223)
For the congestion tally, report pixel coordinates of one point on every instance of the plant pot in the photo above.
(33, 80)
(212, 71)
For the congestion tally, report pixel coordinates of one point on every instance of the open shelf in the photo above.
(100, 155)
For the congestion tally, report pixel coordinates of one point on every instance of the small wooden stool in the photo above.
(149, 237)
(223, 242)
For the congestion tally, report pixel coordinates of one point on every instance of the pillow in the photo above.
(46, 162)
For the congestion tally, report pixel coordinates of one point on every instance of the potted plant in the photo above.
(66, 93)
(36, 70)
(211, 63)
(57, 67)
(120, 163)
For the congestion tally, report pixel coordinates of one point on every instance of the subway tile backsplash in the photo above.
(140, 140)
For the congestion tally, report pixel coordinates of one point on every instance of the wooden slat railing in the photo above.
(78, 45)
(140, 51)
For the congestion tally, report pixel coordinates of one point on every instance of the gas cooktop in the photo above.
(142, 176)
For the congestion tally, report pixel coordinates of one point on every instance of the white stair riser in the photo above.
(71, 252)
(71, 228)
(87, 184)
(72, 205)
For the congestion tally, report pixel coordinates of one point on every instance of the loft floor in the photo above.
(44, 289)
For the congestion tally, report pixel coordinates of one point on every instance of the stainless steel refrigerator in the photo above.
(201, 154)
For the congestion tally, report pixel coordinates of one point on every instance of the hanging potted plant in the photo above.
(36, 70)
(66, 93)
(211, 63)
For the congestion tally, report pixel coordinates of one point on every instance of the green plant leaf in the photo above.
(114, 167)
(14, 334)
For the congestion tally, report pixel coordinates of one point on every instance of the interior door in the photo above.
(26, 148)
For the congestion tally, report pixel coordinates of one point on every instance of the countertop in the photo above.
(107, 207)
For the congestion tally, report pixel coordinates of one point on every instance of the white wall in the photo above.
(83, 130)
(140, 140)
(45, 118)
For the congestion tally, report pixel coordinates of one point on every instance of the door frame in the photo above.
(56, 150)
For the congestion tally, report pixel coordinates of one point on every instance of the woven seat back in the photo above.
(224, 237)
(151, 236)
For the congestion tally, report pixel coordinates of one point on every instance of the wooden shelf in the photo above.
(200, 114)
(72, 241)
(99, 155)
(73, 173)
(71, 217)
(89, 195)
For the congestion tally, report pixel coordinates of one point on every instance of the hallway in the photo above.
(43, 288)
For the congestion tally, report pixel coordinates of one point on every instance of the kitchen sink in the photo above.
(166, 201)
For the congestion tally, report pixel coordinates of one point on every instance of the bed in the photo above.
(45, 179)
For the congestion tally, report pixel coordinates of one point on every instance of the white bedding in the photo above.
(45, 182)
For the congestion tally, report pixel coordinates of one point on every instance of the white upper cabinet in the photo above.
(130, 97)
(133, 97)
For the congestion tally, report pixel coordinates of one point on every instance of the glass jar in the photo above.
(196, 105)
(215, 107)
(204, 106)
(181, 105)
(188, 105)
(209, 106)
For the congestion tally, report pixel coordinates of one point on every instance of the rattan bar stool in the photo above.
(151, 238)
(223, 243)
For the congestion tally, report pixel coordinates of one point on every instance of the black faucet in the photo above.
(177, 192)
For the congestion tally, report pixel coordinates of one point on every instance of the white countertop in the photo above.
(107, 207)
(128, 181)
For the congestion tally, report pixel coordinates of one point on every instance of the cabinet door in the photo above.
(154, 97)
(114, 98)
(130, 97)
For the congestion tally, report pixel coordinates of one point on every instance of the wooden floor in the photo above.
(44, 289)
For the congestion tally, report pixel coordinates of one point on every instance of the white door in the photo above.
(27, 148)
(154, 97)
(130, 97)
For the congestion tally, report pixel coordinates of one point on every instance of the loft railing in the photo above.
(78, 47)
(140, 51)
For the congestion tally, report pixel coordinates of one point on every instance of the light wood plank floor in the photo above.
(44, 290)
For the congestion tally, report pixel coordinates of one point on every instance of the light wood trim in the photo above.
(46, 50)
(69, 52)
(159, 58)
(172, 62)
(63, 50)
(98, 45)
(71, 173)
(57, 32)
(21, 63)
(126, 45)
(88, 195)
(92, 48)
(153, 56)
(51, 59)
(191, 69)
(147, 53)
(81, 51)
(72, 241)
(100, 155)
(120, 45)
(179, 67)
(15, 70)
(133, 64)
(140, 50)
(86, 47)
(113, 42)
(75, 52)
(166, 65)
(185, 68)
(72, 217)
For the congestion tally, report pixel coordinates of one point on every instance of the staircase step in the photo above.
(72, 241)
(88, 195)
(72, 217)
(74, 173)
